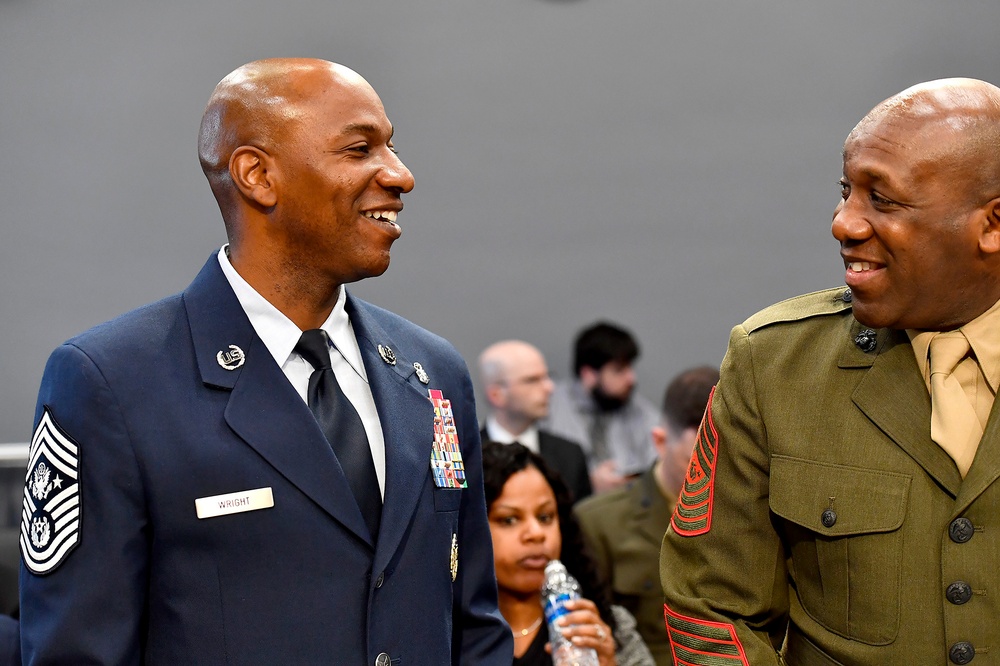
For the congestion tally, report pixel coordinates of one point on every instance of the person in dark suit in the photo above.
(517, 386)
(601, 409)
(189, 497)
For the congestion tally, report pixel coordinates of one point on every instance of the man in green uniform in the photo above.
(840, 504)
(624, 527)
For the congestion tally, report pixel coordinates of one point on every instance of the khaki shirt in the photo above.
(817, 504)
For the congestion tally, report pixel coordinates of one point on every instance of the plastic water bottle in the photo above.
(558, 588)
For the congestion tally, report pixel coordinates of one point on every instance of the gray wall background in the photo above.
(668, 165)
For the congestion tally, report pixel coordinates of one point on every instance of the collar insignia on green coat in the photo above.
(866, 340)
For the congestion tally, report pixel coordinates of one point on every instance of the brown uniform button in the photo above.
(958, 592)
(960, 530)
(829, 518)
(961, 652)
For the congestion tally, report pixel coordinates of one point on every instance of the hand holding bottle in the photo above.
(583, 626)
(559, 592)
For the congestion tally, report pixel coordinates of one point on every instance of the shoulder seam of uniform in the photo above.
(814, 304)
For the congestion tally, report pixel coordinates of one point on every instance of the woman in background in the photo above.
(532, 523)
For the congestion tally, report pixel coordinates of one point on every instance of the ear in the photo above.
(252, 172)
(989, 240)
(660, 441)
(496, 395)
(588, 377)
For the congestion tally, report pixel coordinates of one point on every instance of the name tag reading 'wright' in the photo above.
(245, 500)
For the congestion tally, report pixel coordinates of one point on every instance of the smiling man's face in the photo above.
(340, 179)
(908, 223)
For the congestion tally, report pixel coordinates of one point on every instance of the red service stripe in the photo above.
(712, 631)
(706, 449)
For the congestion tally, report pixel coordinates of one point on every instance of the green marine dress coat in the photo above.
(819, 524)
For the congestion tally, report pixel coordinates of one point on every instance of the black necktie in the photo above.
(342, 426)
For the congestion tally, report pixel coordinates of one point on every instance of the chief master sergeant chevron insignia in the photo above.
(50, 514)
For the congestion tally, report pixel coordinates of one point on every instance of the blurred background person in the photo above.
(531, 523)
(517, 387)
(624, 528)
(601, 410)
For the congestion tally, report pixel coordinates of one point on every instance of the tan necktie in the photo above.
(954, 424)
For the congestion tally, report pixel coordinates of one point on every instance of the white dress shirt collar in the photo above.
(497, 433)
(279, 333)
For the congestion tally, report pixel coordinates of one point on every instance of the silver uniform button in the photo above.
(382, 659)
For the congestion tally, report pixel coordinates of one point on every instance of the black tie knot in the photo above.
(314, 346)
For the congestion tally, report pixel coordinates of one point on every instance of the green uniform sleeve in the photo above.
(595, 539)
(722, 564)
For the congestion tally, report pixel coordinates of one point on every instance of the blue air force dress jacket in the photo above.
(139, 418)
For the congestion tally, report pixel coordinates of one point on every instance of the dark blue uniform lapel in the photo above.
(407, 419)
(264, 409)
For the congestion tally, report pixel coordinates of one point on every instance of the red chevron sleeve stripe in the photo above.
(702, 643)
(693, 511)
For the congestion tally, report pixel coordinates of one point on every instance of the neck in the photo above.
(513, 425)
(661, 481)
(306, 300)
(521, 612)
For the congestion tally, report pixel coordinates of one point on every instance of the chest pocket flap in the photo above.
(862, 501)
(842, 529)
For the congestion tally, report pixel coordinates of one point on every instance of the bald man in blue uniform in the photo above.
(184, 505)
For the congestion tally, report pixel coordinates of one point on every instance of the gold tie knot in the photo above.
(947, 351)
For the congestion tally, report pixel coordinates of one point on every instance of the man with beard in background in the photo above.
(601, 410)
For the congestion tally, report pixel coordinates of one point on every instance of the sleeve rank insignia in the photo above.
(50, 515)
(693, 511)
(697, 641)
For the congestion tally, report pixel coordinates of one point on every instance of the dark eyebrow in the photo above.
(365, 128)
(871, 175)
(874, 176)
